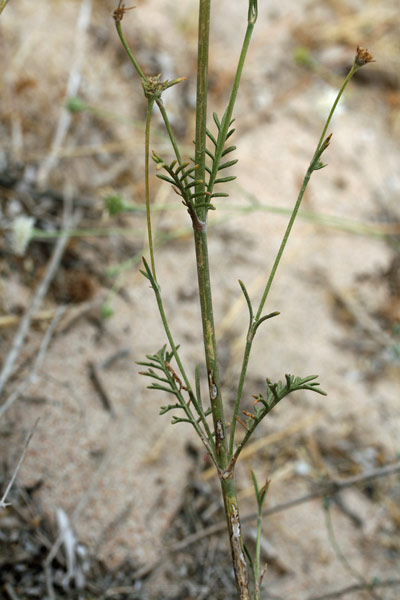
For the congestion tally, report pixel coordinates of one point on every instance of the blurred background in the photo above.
(76, 314)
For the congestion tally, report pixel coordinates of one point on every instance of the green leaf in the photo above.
(225, 179)
(210, 154)
(228, 164)
(176, 420)
(165, 178)
(155, 386)
(227, 150)
(165, 409)
(182, 167)
(212, 138)
(188, 172)
(217, 122)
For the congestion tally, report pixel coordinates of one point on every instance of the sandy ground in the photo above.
(121, 474)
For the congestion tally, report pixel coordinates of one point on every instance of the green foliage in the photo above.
(218, 151)
(277, 391)
(264, 403)
(165, 379)
(182, 177)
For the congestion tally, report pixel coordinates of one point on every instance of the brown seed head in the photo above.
(119, 12)
(363, 57)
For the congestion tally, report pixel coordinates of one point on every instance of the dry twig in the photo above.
(74, 80)
(357, 587)
(100, 389)
(3, 503)
(38, 362)
(8, 587)
(328, 488)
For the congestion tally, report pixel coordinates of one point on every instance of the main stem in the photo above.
(207, 317)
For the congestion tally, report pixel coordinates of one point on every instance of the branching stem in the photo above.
(253, 327)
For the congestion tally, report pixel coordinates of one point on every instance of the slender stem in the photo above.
(169, 129)
(252, 329)
(229, 110)
(245, 362)
(258, 554)
(284, 240)
(150, 103)
(306, 179)
(203, 273)
(201, 101)
(180, 365)
(334, 105)
(128, 51)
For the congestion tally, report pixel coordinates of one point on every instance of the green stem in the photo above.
(334, 105)
(203, 273)
(306, 179)
(201, 102)
(128, 51)
(245, 362)
(200, 241)
(226, 120)
(253, 327)
(171, 135)
(207, 317)
(150, 103)
(169, 129)
(174, 349)
(258, 555)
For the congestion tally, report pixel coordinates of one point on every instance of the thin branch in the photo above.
(3, 503)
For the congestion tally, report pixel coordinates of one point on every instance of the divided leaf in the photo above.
(264, 403)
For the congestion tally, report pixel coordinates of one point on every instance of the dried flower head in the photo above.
(119, 12)
(363, 57)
